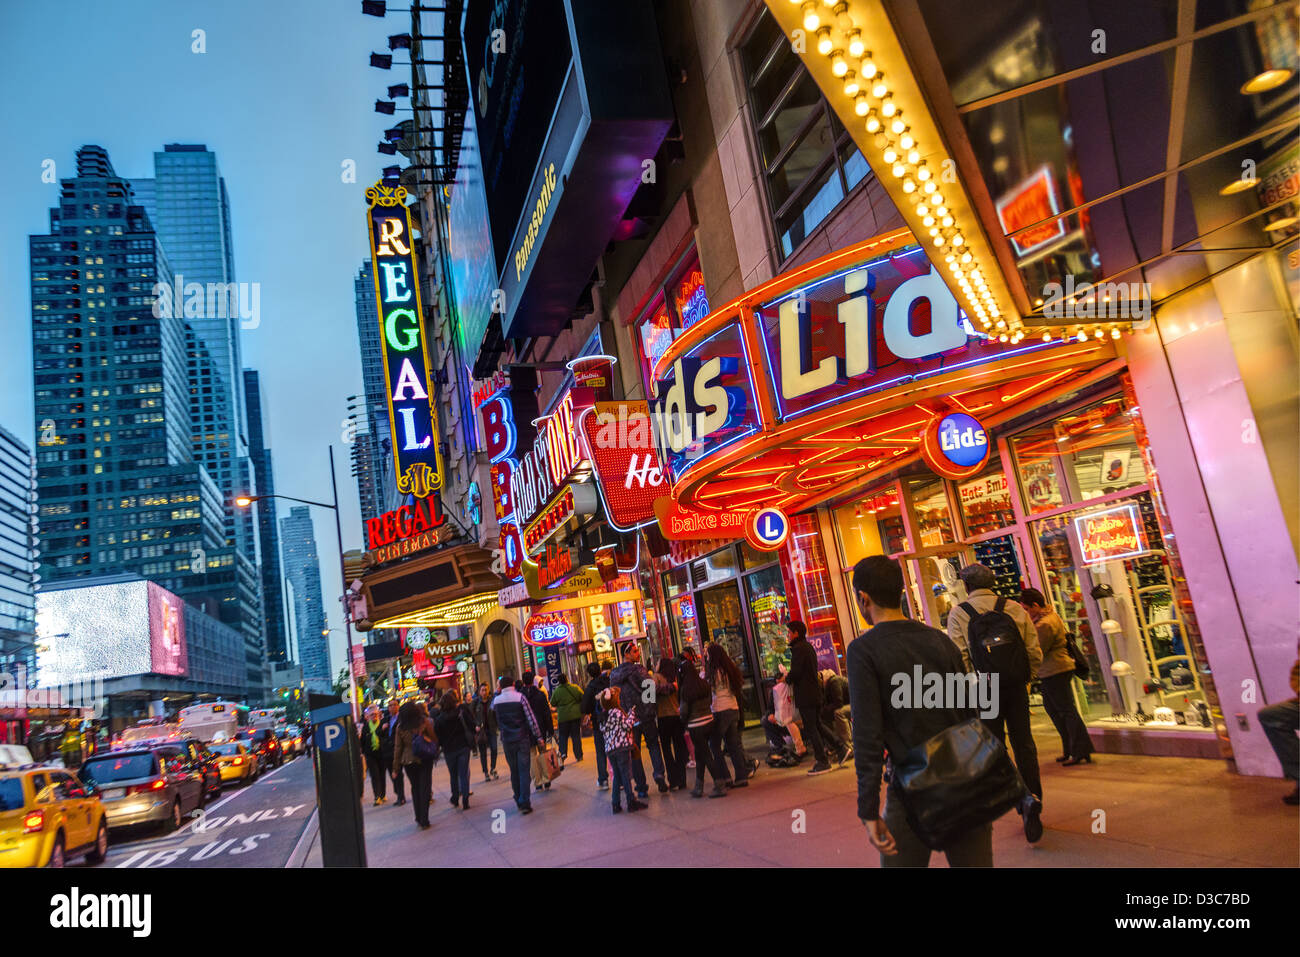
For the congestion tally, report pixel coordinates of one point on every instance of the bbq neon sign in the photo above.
(412, 416)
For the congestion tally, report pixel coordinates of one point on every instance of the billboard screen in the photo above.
(109, 631)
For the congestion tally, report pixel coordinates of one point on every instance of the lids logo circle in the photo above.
(767, 529)
(956, 445)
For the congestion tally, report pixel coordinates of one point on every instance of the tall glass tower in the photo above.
(188, 205)
(17, 557)
(302, 569)
(267, 528)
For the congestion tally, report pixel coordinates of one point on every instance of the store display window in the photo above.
(803, 562)
(985, 502)
(934, 525)
(1081, 455)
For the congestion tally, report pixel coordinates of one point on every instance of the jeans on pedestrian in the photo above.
(1012, 722)
(843, 729)
(1058, 702)
(1279, 722)
(647, 731)
(487, 740)
(570, 730)
(812, 737)
(602, 764)
(421, 775)
(972, 849)
(620, 760)
(705, 756)
(672, 740)
(519, 755)
(458, 771)
(375, 765)
(397, 777)
(726, 737)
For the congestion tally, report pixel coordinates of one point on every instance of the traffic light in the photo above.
(297, 693)
(285, 693)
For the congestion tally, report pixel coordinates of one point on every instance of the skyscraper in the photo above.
(362, 452)
(119, 485)
(190, 210)
(385, 495)
(17, 556)
(267, 528)
(302, 569)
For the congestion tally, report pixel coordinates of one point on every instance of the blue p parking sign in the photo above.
(331, 735)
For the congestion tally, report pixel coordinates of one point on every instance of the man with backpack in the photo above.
(996, 636)
(636, 688)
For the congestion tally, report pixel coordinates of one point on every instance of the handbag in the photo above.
(553, 765)
(959, 779)
(424, 749)
(539, 767)
(1081, 668)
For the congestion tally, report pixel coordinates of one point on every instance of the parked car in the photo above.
(290, 740)
(48, 815)
(145, 786)
(263, 743)
(236, 762)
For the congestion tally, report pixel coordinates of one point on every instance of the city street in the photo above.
(256, 825)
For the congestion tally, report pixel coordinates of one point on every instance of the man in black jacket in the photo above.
(892, 649)
(807, 691)
(598, 681)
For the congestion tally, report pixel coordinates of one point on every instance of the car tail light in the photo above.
(33, 822)
(237, 761)
(157, 785)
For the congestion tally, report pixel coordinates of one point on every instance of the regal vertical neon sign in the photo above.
(412, 417)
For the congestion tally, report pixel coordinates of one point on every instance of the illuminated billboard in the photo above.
(109, 631)
(408, 377)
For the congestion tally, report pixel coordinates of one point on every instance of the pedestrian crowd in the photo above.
(685, 715)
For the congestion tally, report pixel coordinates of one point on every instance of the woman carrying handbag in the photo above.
(415, 749)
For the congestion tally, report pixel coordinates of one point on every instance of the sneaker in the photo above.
(454, 800)
(738, 784)
(602, 786)
(753, 767)
(618, 809)
(662, 785)
(526, 809)
(642, 795)
(690, 763)
(637, 806)
(494, 775)
(821, 767)
(697, 792)
(1033, 822)
(718, 791)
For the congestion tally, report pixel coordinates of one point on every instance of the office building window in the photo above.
(808, 159)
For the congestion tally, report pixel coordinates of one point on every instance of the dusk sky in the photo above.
(283, 95)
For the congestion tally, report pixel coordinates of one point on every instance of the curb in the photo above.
(298, 856)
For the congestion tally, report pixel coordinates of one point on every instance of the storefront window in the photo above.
(769, 612)
(682, 612)
(676, 581)
(933, 517)
(986, 502)
(1081, 455)
(805, 567)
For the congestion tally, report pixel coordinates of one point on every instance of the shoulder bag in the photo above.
(960, 779)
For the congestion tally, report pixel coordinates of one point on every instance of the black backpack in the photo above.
(994, 643)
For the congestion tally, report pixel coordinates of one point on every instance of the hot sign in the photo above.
(412, 416)
(620, 441)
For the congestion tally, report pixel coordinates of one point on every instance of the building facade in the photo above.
(267, 528)
(302, 570)
(18, 558)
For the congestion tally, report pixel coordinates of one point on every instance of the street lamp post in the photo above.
(243, 501)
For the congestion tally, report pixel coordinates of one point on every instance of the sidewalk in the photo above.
(1158, 812)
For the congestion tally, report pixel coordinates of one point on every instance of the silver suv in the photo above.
(145, 786)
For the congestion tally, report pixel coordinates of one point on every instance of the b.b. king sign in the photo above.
(412, 415)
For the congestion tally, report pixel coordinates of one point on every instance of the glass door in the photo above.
(721, 619)
(768, 614)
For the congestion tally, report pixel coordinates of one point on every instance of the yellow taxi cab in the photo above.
(46, 816)
(235, 761)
